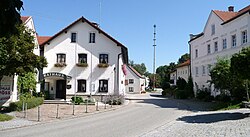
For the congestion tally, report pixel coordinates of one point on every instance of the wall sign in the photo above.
(56, 74)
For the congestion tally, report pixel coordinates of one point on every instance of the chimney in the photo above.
(231, 8)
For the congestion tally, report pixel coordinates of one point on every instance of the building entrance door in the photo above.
(61, 89)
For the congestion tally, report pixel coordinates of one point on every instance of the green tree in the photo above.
(221, 76)
(9, 17)
(240, 66)
(183, 58)
(190, 87)
(27, 83)
(16, 54)
(164, 74)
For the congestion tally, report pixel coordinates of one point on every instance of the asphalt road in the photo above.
(144, 114)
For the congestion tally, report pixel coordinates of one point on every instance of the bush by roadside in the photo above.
(31, 103)
(4, 117)
(115, 100)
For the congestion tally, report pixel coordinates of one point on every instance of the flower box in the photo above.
(60, 65)
(82, 64)
(103, 65)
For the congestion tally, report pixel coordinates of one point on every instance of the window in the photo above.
(126, 82)
(233, 40)
(103, 58)
(208, 49)
(186, 71)
(73, 37)
(203, 70)
(61, 58)
(131, 81)
(196, 53)
(130, 89)
(82, 58)
(91, 37)
(215, 46)
(103, 85)
(213, 29)
(224, 43)
(209, 68)
(81, 85)
(196, 71)
(244, 37)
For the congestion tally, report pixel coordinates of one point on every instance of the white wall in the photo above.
(222, 31)
(62, 44)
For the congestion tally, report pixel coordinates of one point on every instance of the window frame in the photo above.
(106, 57)
(244, 36)
(131, 81)
(59, 58)
(79, 58)
(81, 81)
(73, 37)
(92, 37)
(212, 29)
(196, 71)
(130, 89)
(216, 48)
(234, 40)
(224, 43)
(208, 49)
(105, 82)
(196, 53)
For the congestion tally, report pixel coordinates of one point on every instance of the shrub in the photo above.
(4, 117)
(115, 100)
(204, 95)
(78, 100)
(164, 92)
(165, 85)
(181, 94)
(181, 83)
(190, 87)
(31, 103)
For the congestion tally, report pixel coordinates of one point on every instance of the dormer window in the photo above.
(73, 37)
(213, 29)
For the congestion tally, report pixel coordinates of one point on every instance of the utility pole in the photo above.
(154, 80)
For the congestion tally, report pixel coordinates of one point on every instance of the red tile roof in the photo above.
(228, 16)
(25, 18)
(136, 72)
(224, 15)
(186, 63)
(42, 39)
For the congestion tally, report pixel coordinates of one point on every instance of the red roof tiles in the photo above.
(228, 16)
(137, 73)
(186, 63)
(225, 15)
(42, 39)
(24, 18)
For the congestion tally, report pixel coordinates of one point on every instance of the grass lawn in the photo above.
(226, 106)
(4, 117)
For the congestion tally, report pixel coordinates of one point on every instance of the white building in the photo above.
(135, 83)
(8, 87)
(225, 33)
(83, 60)
(182, 70)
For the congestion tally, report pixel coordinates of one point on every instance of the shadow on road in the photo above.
(212, 118)
(163, 102)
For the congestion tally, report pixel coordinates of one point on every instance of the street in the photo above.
(146, 115)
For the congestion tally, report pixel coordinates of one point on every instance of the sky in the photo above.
(131, 22)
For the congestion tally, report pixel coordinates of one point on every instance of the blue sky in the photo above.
(131, 22)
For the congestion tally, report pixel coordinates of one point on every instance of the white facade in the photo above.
(8, 91)
(217, 41)
(134, 82)
(182, 70)
(91, 75)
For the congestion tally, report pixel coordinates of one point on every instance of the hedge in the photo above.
(31, 103)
